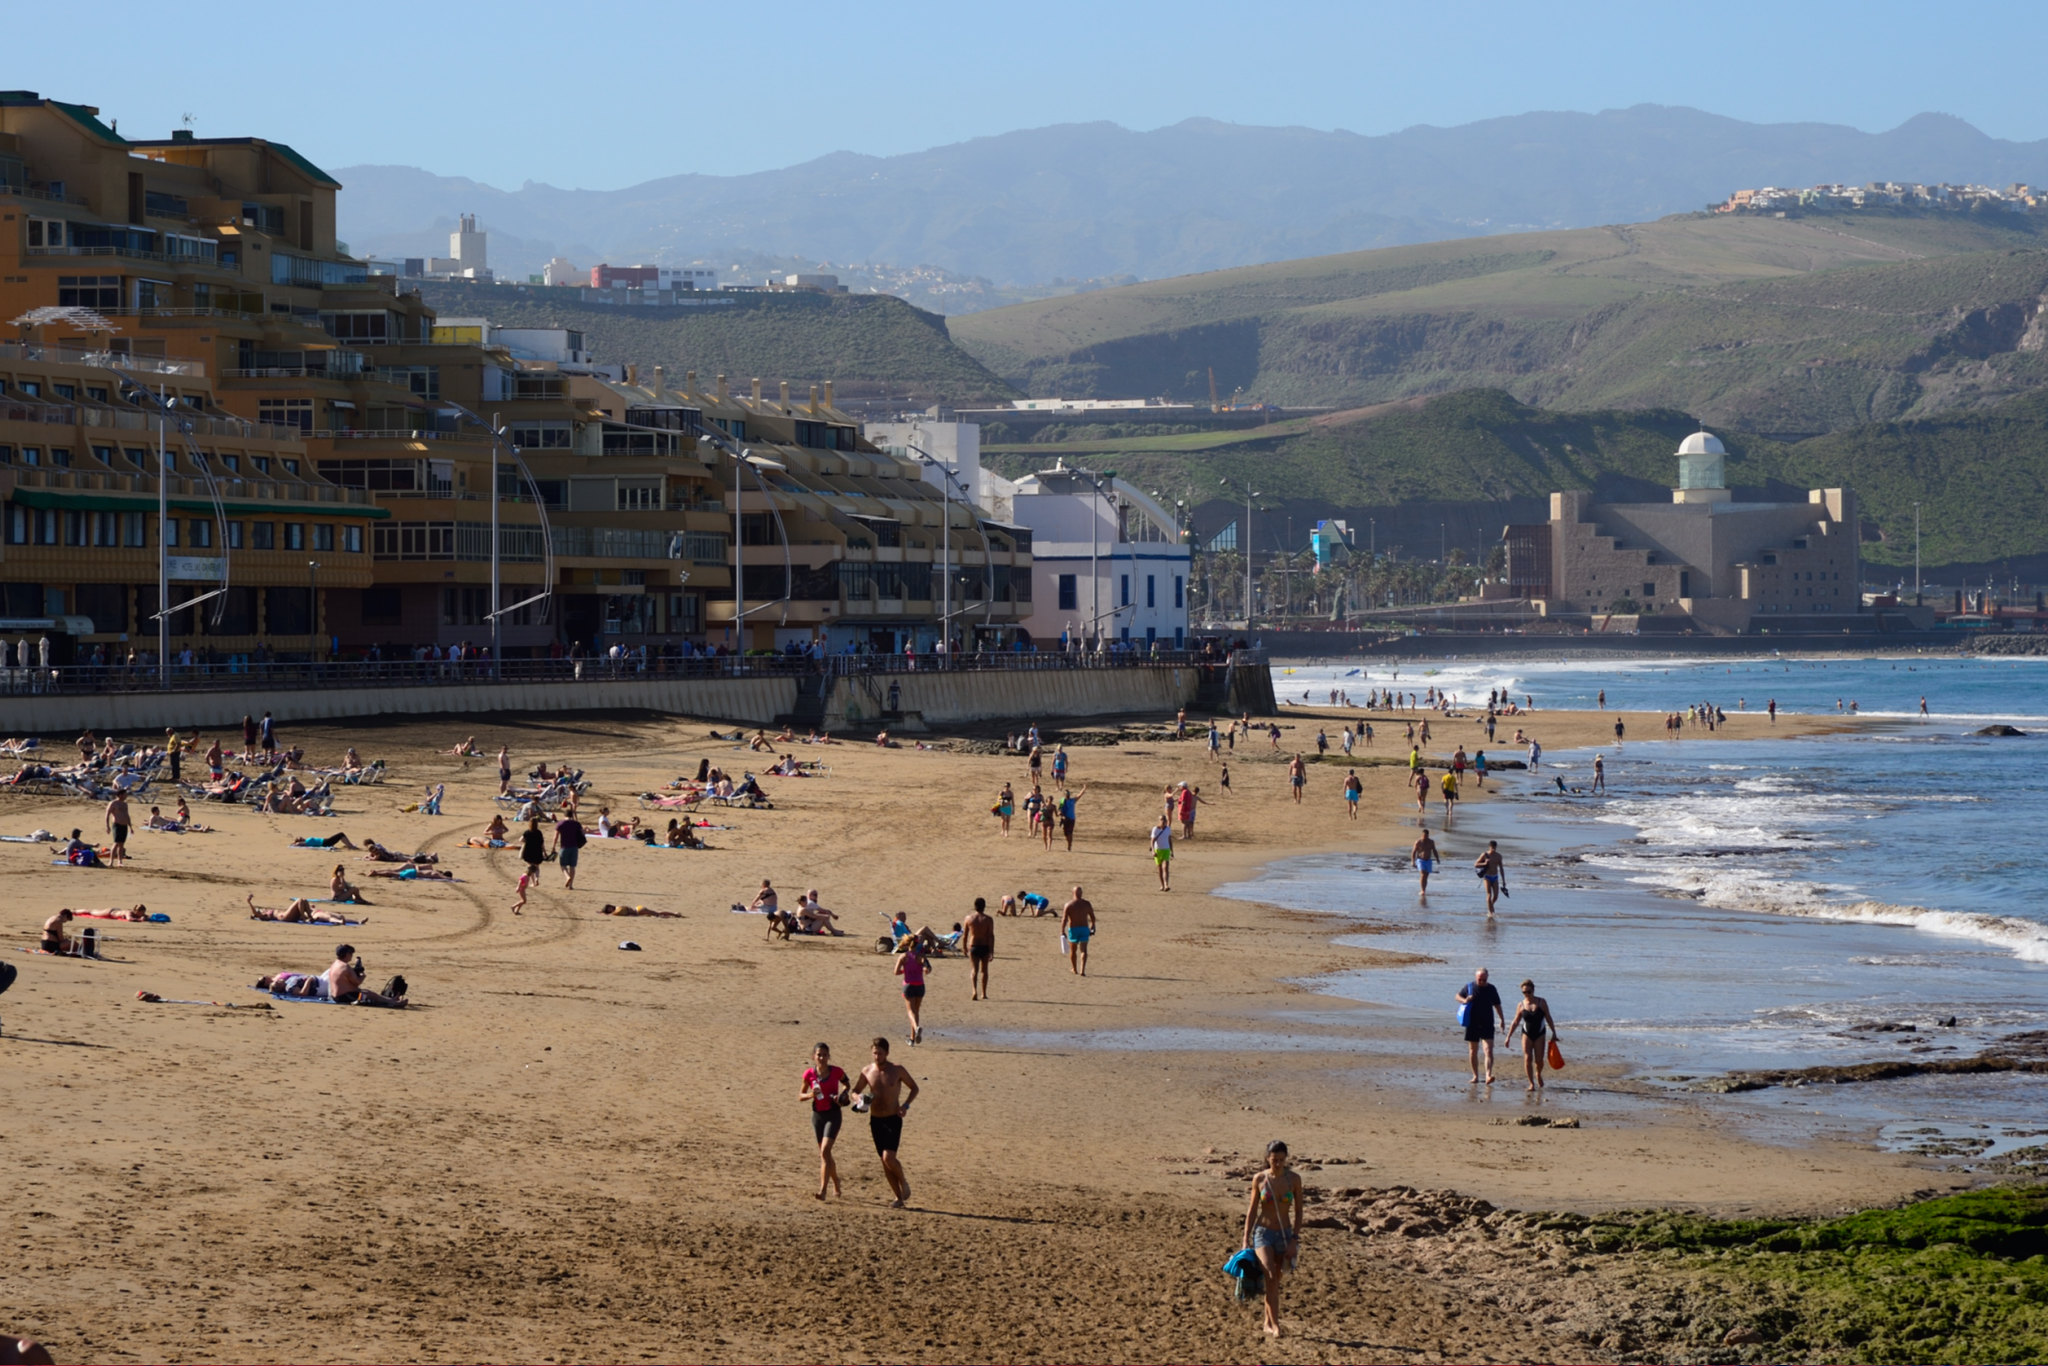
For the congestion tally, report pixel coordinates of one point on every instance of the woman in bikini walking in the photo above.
(1272, 1225)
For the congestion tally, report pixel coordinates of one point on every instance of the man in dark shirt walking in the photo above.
(569, 841)
(1481, 1000)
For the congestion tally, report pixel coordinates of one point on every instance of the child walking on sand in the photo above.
(525, 881)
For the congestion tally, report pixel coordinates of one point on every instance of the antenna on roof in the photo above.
(187, 119)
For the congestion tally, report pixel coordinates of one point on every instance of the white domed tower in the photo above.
(1702, 470)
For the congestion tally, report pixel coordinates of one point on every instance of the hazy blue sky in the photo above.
(607, 95)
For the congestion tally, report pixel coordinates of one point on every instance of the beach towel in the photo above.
(1248, 1277)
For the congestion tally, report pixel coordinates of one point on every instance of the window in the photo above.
(286, 412)
(46, 232)
(64, 391)
(1151, 593)
(639, 497)
(171, 532)
(17, 524)
(88, 291)
(261, 462)
(234, 535)
(1068, 596)
(294, 535)
(374, 328)
(74, 528)
(60, 456)
(233, 463)
(290, 466)
(134, 529)
(383, 607)
(1124, 590)
(380, 474)
(263, 535)
(103, 454)
(105, 529)
(1179, 597)
(323, 535)
(153, 294)
(31, 455)
(201, 530)
(137, 457)
(1649, 590)
(352, 539)
(542, 436)
(96, 392)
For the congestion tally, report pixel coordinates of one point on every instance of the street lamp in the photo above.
(313, 606)
(1916, 554)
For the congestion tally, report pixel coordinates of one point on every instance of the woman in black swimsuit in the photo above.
(1533, 1018)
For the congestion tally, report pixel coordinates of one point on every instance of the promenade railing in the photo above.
(241, 675)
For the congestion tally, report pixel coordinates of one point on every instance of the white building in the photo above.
(559, 271)
(1107, 561)
(468, 253)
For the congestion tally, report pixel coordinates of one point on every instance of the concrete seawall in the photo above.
(754, 700)
(1032, 695)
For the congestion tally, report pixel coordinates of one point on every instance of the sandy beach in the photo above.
(568, 1152)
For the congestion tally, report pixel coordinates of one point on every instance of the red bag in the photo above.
(1556, 1056)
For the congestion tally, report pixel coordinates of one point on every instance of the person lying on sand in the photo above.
(374, 852)
(342, 983)
(299, 912)
(415, 872)
(135, 912)
(640, 910)
(183, 825)
(466, 750)
(338, 840)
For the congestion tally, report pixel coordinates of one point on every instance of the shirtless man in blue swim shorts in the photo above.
(1424, 855)
(1077, 927)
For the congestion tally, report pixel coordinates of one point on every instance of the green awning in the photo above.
(139, 502)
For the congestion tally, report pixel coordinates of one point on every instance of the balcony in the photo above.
(103, 360)
(260, 490)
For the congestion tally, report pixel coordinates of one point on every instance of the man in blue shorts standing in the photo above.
(1077, 927)
(1424, 854)
(569, 841)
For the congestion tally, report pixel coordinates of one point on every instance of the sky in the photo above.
(602, 97)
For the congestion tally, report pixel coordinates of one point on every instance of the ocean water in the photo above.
(1737, 904)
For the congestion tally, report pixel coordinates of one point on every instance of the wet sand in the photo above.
(568, 1152)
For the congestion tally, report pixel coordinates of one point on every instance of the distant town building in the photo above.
(468, 255)
(559, 271)
(1701, 560)
(652, 277)
(2014, 198)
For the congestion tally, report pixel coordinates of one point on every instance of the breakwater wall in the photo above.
(939, 699)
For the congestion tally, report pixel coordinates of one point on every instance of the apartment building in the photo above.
(210, 265)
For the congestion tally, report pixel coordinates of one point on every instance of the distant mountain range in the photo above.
(1084, 201)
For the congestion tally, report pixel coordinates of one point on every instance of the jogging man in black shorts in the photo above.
(978, 936)
(881, 1080)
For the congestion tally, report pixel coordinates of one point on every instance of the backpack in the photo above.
(395, 989)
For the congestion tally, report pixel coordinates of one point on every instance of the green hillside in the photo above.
(872, 345)
(1981, 476)
(1794, 325)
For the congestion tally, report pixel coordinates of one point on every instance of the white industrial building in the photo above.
(1108, 562)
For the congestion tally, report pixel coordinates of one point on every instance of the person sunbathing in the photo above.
(351, 762)
(497, 829)
(135, 912)
(415, 872)
(344, 983)
(302, 984)
(466, 750)
(760, 741)
(819, 738)
(683, 835)
(813, 918)
(299, 912)
(639, 910)
(607, 828)
(374, 852)
(342, 890)
(765, 899)
(338, 840)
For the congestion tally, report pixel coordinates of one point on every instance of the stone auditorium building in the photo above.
(1702, 560)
